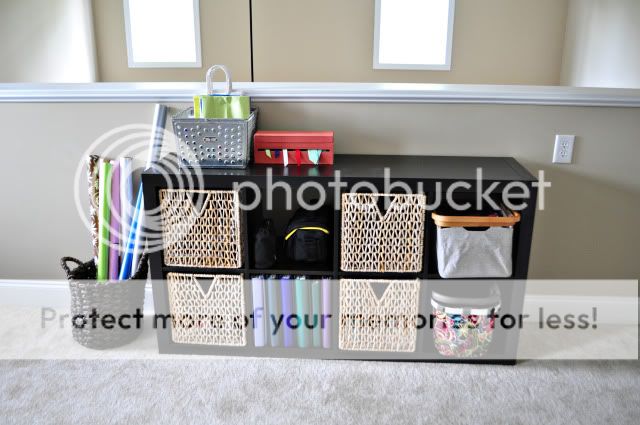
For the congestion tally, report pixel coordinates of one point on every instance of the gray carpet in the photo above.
(209, 391)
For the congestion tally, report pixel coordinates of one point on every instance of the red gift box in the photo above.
(296, 142)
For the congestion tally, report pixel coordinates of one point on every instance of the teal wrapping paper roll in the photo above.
(302, 310)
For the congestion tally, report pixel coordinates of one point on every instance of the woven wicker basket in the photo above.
(117, 298)
(375, 242)
(206, 233)
(372, 323)
(211, 316)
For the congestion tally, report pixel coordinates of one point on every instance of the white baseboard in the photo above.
(611, 310)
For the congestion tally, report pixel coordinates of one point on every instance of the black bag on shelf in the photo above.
(264, 248)
(307, 238)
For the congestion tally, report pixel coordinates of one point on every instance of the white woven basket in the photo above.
(372, 323)
(202, 234)
(375, 242)
(212, 316)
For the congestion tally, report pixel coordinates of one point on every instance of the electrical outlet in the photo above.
(563, 150)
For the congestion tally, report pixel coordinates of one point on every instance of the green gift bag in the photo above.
(228, 104)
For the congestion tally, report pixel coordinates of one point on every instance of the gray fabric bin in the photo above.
(464, 253)
(475, 246)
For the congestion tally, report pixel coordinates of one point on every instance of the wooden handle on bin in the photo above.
(475, 221)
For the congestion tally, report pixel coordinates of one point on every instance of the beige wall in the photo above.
(601, 44)
(46, 41)
(494, 42)
(541, 42)
(588, 230)
(224, 32)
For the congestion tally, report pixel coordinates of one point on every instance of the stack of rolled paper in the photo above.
(291, 311)
(110, 207)
(117, 223)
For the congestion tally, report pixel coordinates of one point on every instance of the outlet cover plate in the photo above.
(563, 149)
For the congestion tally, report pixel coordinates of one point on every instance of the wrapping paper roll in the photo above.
(93, 184)
(104, 220)
(115, 221)
(326, 312)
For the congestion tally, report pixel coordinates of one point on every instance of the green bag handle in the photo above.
(227, 76)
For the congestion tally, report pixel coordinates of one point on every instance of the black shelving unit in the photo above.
(429, 174)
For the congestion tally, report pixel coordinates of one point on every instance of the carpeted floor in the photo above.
(211, 391)
(135, 385)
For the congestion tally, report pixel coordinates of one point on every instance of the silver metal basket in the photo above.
(214, 143)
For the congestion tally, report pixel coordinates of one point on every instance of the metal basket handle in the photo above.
(227, 76)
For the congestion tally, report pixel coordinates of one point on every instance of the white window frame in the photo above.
(134, 64)
(412, 66)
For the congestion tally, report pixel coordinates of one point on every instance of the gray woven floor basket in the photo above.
(116, 298)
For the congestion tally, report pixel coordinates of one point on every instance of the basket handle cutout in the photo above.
(199, 201)
(379, 290)
(227, 75)
(477, 229)
(378, 202)
(375, 201)
(204, 286)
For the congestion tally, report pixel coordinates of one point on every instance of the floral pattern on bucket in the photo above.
(460, 335)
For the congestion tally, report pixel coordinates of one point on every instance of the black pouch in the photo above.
(265, 245)
(307, 238)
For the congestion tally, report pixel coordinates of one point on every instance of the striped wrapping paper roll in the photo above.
(93, 168)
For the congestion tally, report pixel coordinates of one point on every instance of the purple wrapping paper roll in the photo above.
(260, 315)
(114, 223)
(273, 300)
(316, 308)
(326, 312)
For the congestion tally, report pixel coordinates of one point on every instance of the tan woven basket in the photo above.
(206, 233)
(209, 316)
(375, 242)
(372, 323)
